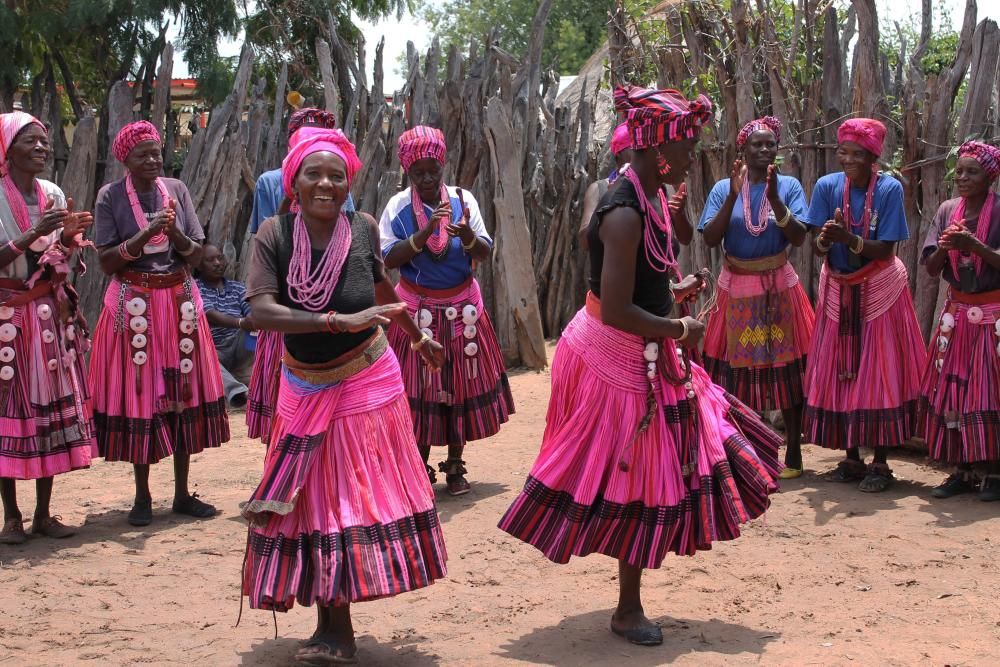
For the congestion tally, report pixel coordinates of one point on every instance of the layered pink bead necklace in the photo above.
(983, 225)
(314, 289)
(438, 241)
(866, 223)
(660, 255)
(17, 204)
(763, 211)
(140, 215)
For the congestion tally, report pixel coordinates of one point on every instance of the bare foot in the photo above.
(327, 649)
(636, 628)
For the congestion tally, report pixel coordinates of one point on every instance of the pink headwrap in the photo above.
(332, 141)
(11, 125)
(304, 133)
(131, 136)
(311, 117)
(865, 132)
(656, 117)
(620, 139)
(420, 143)
(987, 156)
(764, 124)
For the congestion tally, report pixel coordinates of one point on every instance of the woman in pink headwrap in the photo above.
(642, 454)
(757, 339)
(960, 412)
(158, 391)
(863, 374)
(45, 422)
(344, 512)
(434, 234)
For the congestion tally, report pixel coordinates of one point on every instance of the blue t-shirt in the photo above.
(398, 222)
(230, 300)
(739, 242)
(267, 198)
(887, 214)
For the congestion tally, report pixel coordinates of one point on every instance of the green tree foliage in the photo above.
(574, 31)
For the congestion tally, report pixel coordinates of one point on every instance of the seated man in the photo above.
(228, 313)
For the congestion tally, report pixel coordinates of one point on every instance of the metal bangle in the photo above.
(785, 219)
(412, 244)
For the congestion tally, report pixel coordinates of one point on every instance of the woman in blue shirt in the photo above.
(432, 234)
(757, 340)
(863, 374)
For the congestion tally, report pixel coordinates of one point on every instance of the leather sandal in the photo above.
(455, 471)
(52, 527)
(848, 470)
(878, 479)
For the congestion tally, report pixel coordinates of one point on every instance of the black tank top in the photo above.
(652, 288)
(355, 291)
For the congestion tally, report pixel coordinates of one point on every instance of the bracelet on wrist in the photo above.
(858, 247)
(684, 331)
(424, 339)
(785, 219)
(125, 254)
(471, 245)
(13, 246)
(822, 247)
(413, 244)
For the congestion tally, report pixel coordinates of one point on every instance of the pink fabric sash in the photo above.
(880, 289)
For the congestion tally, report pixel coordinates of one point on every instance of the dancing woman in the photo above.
(157, 387)
(757, 340)
(863, 374)
(344, 512)
(433, 234)
(45, 422)
(642, 455)
(961, 383)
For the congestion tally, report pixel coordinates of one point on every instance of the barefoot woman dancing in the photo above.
(642, 455)
(344, 512)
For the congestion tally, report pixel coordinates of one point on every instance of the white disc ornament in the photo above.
(187, 345)
(428, 333)
(48, 337)
(974, 314)
(187, 326)
(652, 352)
(451, 313)
(6, 373)
(187, 310)
(6, 312)
(8, 332)
(471, 349)
(139, 358)
(136, 306)
(469, 331)
(947, 322)
(470, 314)
(138, 324)
(940, 364)
(424, 318)
(139, 341)
(942, 343)
(44, 312)
(7, 355)
(186, 366)
(53, 364)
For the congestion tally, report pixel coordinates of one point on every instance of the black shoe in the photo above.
(191, 506)
(990, 490)
(142, 513)
(955, 485)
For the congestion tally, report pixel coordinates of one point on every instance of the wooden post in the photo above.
(119, 115)
(161, 96)
(326, 72)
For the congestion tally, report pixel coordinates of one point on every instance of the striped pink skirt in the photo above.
(960, 410)
(345, 511)
(863, 375)
(262, 394)
(757, 340)
(45, 421)
(469, 399)
(704, 466)
(155, 374)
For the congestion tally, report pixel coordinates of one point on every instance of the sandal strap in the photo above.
(453, 467)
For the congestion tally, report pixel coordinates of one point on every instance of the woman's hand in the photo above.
(433, 354)
(835, 231)
(376, 315)
(421, 236)
(695, 332)
(959, 238)
(75, 225)
(678, 212)
(737, 176)
(690, 287)
(51, 220)
(771, 185)
(464, 233)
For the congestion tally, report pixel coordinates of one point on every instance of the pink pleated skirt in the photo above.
(155, 375)
(45, 420)
(863, 381)
(262, 394)
(757, 341)
(349, 511)
(470, 398)
(960, 407)
(704, 466)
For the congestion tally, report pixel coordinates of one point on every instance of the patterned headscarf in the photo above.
(764, 124)
(987, 156)
(620, 139)
(656, 117)
(420, 143)
(11, 125)
(865, 132)
(131, 136)
(311, 117)
(333, 141)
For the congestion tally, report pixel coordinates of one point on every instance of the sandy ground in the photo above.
(829, 576)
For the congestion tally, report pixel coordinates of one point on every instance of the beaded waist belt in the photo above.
(344, 366)
(978, 299)
(758, 265)
(152, 280)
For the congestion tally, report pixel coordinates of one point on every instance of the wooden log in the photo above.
(161, 96)
(326, 73)
(974, 120)
(81, 170)
(513, 256)
(869, 93)
(278, 131)
(119, 115)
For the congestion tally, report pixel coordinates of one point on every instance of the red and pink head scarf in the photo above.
(764, 124)
(621, 140)
(987, 156)
(311, 118)
(131, 136)
(865, 132)
(11, 125)
(656, 117)
(331, 141)
(419, 143)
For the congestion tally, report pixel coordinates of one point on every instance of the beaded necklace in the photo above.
(983, 226)
(313, 289)
(438, 241)
(17, 204)
(867, 223)
(763, 211)
(660, 255)
(158, 243)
